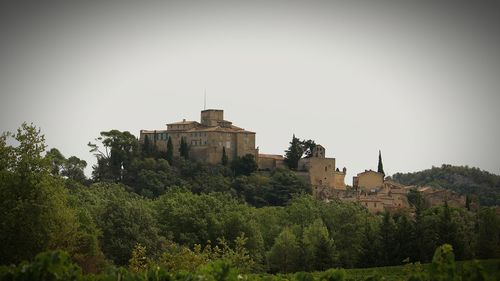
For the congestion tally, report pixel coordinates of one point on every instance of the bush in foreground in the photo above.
(55, 266)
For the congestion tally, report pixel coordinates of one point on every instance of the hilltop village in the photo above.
(213, 138)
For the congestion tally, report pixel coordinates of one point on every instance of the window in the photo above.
(326, 168)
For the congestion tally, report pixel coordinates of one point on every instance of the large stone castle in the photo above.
(206, 139)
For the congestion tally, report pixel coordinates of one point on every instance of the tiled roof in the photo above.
(394, 184)
(183, 122)
(271, 156)
(425, 189)
(153, 131)
(369, 171)
(369, 199)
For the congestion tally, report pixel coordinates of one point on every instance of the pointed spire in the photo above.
(380, 165)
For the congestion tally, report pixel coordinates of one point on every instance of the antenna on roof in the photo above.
(205, 100)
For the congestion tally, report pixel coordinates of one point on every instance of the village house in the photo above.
(435, 197)
(369, 181)
(320, 172)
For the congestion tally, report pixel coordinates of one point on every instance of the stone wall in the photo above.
(368, 180)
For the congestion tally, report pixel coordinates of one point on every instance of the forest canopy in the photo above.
(138, 210)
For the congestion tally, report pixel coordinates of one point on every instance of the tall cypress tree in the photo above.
(224, 159)
(184, 149)
(146, 147)
(380, 165)
(170, 151)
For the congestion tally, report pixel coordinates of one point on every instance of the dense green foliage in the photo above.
(34, 210)
(57, 266)
(298, 149)
(244, 165)
(472, 182)
(141, 211)
(184, 149)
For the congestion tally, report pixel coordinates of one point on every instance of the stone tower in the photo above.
(318, 151)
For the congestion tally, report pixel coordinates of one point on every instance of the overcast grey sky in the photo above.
(420, 81)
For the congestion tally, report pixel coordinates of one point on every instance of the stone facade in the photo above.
(389, 196)
(435, 197)
(321, 172)
(368, 180)
(207, 139)
(270, 162)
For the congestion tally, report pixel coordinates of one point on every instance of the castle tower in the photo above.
(318, 151)
(212, 117)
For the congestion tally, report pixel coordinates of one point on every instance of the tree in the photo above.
(125, 222)
(380, 168)
(488, 244)
(387, 239)
(34, 211)
(147, 150)
(405, 244)
(307, 147)
(170, 151)
(447, 227)
(298, 149)
(283, 186)
(285, 253)
(371, 245)
(138, 261)
(443, 266)
(244, 165)
(57, 161)
(120, 148)
(224, 159)
(416, 199)
(252, 188)
(73, 169)
(294, 153)
(184, 148)
(319, 248)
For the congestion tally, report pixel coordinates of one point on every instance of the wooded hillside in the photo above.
(472, 182)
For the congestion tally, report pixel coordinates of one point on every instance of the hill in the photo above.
(462, 179)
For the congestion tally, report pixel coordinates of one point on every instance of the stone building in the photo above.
(389, 196)
(270, 162)
(321, 173)
(206, 139)
(368, 180)
(436, 196)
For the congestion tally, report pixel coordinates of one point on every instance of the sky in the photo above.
(418, 80)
